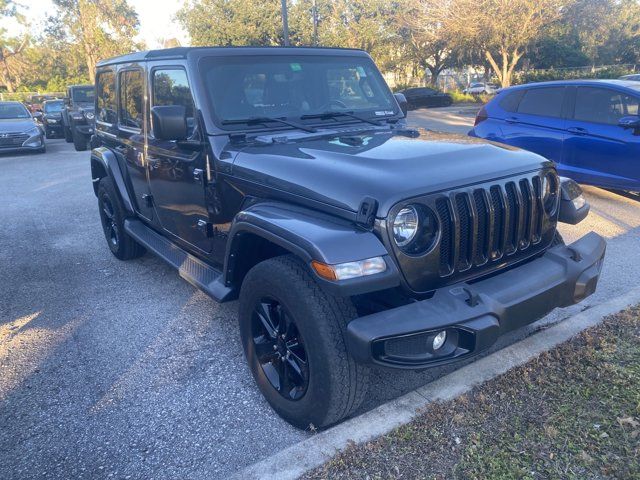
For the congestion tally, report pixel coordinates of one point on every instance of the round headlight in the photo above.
(405, 226)
(550, 192)
(89, 115)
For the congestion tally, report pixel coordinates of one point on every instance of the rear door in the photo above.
(176, 173)
(537, 123)
(597, 150)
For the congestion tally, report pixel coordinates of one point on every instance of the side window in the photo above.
(601, 105)
(106, 97)
(171, 87)
(131, 98)
(511, 101)
(546, 102)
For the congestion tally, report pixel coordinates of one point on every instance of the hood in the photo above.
(53, 115)
(84, 106)
(386, 165)
(16, 125)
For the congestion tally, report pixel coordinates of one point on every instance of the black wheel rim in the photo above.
(109, 222)
(280, 349)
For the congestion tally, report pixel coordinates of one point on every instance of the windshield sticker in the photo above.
(296, 67)
(383, 113)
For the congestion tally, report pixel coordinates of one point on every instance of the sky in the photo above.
(156, 19)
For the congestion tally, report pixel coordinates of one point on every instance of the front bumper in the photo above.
(474, 315)
(84, 129)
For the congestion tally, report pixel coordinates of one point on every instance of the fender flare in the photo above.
(104, 163)
(312, 235)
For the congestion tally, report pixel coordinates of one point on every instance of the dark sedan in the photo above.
(18, 129)
(52, 117)
(426, 97)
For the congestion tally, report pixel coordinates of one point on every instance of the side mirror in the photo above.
(573, 206)
(67, 101)
(169, 122)
(402, 102)
(631, 121)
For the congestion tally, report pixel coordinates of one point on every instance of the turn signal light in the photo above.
(345, 271)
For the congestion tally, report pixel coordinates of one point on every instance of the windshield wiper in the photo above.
(265, 120)
(333, 114)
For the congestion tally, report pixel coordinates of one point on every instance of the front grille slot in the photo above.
(12, 140)
(486, 224)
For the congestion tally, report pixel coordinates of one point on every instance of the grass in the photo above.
(459, 97)
(572, 413)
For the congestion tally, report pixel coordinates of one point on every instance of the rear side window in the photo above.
(106, 97)
(601, 105)
(546, 102)
(131, 98)
(171, 87)
(511, 100)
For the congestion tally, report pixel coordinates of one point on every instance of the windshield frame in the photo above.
(19, 104)
(204, 60)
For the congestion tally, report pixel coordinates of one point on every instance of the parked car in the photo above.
(480, 88)
(635, 77)
(52, 118)
(34, 104)
(351, 240)
(426, 97)
(78, 115)
(18, 129)
(590, 128)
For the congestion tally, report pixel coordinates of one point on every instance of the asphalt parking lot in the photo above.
(124, 370)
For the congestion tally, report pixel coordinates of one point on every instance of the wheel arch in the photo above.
(269, 229)
(103, 164)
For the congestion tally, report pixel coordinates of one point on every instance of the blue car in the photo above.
(590, 128)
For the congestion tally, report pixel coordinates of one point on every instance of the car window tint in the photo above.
(602, 105)
(546, 102)
(511, 100)
(171, 87)
(106, 96)
(131, 98)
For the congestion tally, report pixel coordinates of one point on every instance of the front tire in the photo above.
(112, 216)
(68, 137)
(294, 339)
(79, 140)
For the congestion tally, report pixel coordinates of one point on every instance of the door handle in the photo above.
(578, 130)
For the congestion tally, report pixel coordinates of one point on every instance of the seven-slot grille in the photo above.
(10, 140)
(484, 224)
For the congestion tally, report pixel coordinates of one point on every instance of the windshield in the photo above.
(294, 87)
(83, 94)
(53, 107)
(13, 110)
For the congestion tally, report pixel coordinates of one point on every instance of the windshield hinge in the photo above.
(367, 212)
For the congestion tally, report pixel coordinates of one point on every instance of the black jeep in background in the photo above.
(52, 117)
(288, 178)
(78, 115)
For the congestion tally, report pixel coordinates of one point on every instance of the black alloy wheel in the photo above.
(280, 349)
(107, 215)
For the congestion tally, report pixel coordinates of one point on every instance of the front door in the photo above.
(597, 150)
(176, 173)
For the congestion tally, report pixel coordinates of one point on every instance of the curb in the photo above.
(297, 459)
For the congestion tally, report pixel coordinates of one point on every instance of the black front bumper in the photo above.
(475, 315)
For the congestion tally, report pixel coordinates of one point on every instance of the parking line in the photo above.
(294, 461)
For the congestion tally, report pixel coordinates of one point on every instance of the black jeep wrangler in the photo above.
(78, 115)
(288, 178)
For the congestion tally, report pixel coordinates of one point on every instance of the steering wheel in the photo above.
(327, 106)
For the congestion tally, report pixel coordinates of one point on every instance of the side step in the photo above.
(192, 269)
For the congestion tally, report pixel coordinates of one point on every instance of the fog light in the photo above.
(439, 339)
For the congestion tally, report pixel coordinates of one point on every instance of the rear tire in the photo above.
(112, 216)
(67, 134)
(335, 384)
(79, 141)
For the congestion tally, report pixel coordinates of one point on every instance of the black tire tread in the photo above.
(337, 311)
(129, 248)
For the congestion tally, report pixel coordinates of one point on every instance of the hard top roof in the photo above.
(182, 52)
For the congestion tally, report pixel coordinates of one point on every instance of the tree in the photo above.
(11, 48)
(97, 28)
(232, 22)
(502, 29)
(428, 39)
